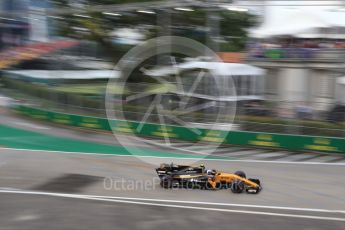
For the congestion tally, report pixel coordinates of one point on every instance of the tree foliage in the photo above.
(232, 25)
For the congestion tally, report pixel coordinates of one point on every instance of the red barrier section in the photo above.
(16, 55)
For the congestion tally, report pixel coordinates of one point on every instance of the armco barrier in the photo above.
(283, 141)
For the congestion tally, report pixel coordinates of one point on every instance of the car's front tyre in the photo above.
(237, 186)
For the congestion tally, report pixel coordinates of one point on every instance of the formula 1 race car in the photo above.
(172, 175)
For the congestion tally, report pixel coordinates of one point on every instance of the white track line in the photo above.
(225, 204)
(5, 189)
(181, 158)
(34, 126)
(99, 198)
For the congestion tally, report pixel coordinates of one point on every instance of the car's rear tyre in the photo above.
(240, 173)
(167, 182)
(237, 186)
(208, 186)
(191, 185)
(164, 183)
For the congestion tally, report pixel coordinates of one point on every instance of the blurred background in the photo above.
(264, 93)
(286, 58)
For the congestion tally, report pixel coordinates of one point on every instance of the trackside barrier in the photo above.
(258, 139)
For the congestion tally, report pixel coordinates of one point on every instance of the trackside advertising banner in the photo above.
(256, 139)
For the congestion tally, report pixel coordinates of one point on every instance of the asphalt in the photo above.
(59, 190)
(60, 213)
(308, 190)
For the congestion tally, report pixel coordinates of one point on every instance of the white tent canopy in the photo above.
(336, 18)
(341, 80)
(300, 23)
(219, 68)
(128, 36)
(64, 74)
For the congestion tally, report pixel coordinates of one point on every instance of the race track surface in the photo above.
(124, 190)
(43, 186)
(61, 213)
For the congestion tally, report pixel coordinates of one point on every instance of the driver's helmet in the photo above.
(202, 166)
(211, 172)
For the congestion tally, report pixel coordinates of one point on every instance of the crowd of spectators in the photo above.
(301, 111)
(291, 48)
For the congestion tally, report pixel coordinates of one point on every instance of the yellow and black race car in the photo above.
(172, 175)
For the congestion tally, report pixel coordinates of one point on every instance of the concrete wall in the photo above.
(293, 84)
(323, 85)
(340, 93)
(271, 84)
(317, 87)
